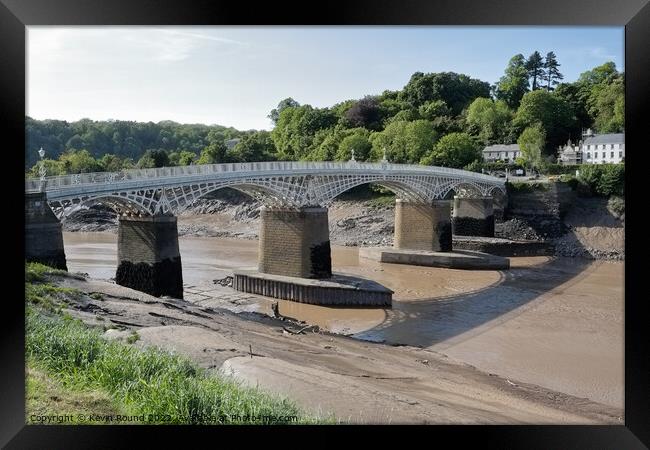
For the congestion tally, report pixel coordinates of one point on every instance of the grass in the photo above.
(51, 402)
(67, 357)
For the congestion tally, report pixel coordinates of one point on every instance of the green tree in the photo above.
(186, 158)
(453, 150)
(79, 161)
(531, 143)
(215, 153)
(607, 106)
(154, 158)
(535, 68)
(552, 112)
(111, 163)
(274, 115)
(489, 120)
(514, 84)
(604, 73)
(572, 95)
(456, 90)
(257, 146)
(553, 75)
(405, 142)
(358, 141)
(432, 110)
(296, 128)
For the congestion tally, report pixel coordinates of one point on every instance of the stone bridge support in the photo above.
(295, 242)
(473, 216)
(43, 233)
(423, 226)
(148, 256)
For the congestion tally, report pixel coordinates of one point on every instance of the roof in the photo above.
(611, 138)
(230, 143)
(501, 148)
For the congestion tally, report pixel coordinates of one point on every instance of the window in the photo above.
(595, 155)
(611, 155)
(620, 154)
(588, 155)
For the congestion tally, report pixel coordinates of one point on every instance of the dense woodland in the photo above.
(440, 119)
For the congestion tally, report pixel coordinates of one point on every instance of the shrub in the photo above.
(603, 179)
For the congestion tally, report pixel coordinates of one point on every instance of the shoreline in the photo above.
(356, 380)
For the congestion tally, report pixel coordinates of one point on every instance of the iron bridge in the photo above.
(170, 190)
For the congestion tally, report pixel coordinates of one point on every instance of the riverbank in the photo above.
(589, 229)
(553, 322)
(324, 373)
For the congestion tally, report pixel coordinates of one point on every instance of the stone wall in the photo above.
(43, 234)
(473, 216)
(295, 242)
(541, 208)
(420, 226)
(148, 255)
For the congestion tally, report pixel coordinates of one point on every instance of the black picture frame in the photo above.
(15, 15)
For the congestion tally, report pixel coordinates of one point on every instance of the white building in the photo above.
(501, 152)
(594, 149)
(569, 154)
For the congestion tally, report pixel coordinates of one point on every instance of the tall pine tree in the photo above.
(535, 68)
(553, 75)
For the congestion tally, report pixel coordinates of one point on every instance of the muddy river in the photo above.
(553, 322)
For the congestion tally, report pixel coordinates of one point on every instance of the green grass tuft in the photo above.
(149, 381)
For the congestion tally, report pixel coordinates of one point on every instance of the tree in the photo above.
(111, 163)
(571, 94)
(514, 84)
(257, 146)
(601, 74)
(365, 113)
(489, 120)
(79, 161)
(159, 158)
(535, 68)
(432, 110)
(215, 153)
(531, 143)
(453, 150)
(553, 74)
(296, 128)
(456, 90)
(357, 141)
(552, 112)
(274, 115)
(607, 106)
(405, 142)
(186, 158)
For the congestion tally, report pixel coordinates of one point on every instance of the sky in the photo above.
(234, 76)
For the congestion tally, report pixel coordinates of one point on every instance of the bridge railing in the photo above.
(62, 181)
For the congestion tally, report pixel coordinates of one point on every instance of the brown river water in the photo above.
(553, 322)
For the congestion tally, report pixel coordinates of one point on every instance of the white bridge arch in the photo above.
(170, 190)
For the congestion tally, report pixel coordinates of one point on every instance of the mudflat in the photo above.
(552, 323)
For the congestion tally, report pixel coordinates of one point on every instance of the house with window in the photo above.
(606, 148)
(501, 152)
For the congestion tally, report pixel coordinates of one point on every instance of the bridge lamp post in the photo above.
(41, 169)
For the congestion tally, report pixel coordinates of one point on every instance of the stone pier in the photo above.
(295, 242)
(148, 256)
(295, 263)
(43, 233)
(473, 216)
(423, 236)
(423, 226)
